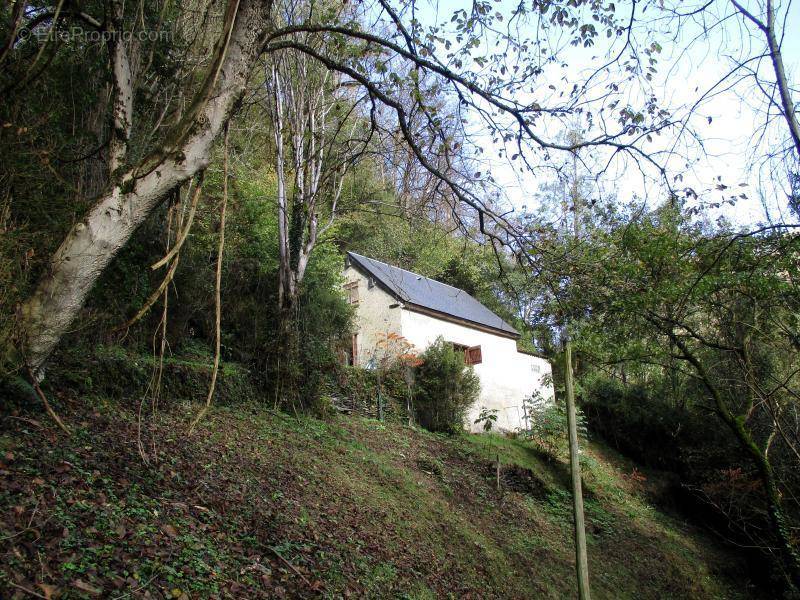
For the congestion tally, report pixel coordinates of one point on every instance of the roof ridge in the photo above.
(414, 273)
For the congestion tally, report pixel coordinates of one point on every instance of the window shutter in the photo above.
(474, 355)
(352, 292)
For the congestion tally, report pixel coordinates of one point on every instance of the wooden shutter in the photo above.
(355, 350)
(352, 292)
(474, 355)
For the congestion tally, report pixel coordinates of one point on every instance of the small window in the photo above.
(460, 348)
(371, 282)
(352, 292)
(472, 354)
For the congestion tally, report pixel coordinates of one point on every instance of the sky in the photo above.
(725, 123)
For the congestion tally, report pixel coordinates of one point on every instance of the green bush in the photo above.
(444, 388)
(356, 390)
(115, 372)
(645, 423)
(548, 424)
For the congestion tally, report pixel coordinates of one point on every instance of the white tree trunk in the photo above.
(784, 88)
(122, 97)
(301, 99)
(92, 243)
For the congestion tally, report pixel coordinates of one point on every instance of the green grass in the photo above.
(262, 504)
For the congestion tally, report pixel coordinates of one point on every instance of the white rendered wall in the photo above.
(507, 376)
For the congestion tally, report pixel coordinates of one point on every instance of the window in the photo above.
(472, 354)
(371, 282)
(352, 292)
(460, 348)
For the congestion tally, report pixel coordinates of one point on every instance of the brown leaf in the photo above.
(170, 530)
(63, 467)
(89, 589)
(49, 591)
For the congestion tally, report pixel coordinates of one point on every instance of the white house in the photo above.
(390, 300)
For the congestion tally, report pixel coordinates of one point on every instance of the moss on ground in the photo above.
(262, 504)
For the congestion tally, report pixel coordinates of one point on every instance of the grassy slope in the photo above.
(258, 504)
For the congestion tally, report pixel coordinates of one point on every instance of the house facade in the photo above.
(389, 300)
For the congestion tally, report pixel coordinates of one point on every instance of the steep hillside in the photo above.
(261, 504)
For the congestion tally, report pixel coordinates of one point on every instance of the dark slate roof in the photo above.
(414, 289)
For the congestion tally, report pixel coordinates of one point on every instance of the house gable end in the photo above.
(367, 274)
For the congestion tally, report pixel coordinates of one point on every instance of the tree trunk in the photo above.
(122, 92)
(288, 373)
(784, 88)
(581, 559)
(93, 242)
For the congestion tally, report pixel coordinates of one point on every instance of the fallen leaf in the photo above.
(49, 591)
(89, 589)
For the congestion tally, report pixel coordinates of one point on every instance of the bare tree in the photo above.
(752, 34)
(314, 120)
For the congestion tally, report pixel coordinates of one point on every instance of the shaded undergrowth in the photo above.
(261, 504)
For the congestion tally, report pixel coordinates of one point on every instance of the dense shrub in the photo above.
(355, 390)
(716, 483)
(444, 389)
(116, 372)
(645, 425)
(249, 295)
(548, 424)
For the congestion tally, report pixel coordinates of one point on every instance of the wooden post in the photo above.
(581, 561)
(498, 472)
